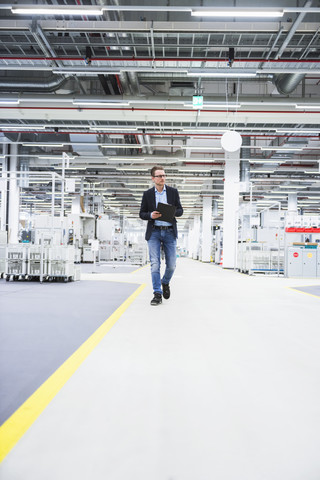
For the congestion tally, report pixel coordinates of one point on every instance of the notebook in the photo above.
(167, 212)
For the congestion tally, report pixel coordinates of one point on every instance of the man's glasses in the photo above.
(159, 176)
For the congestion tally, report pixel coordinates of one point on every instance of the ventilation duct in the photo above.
(245, 164)
(13, 85)
(24, 166)
(134, 83)
(129, 83)
(286, 83)
(148, 143)
(124, 83)
(145, 140)
(141, 141)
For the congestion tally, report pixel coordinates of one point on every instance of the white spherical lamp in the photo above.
(231, 141)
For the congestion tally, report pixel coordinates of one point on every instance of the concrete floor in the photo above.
(220, 382)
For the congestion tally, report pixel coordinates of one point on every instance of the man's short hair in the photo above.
(156, 167)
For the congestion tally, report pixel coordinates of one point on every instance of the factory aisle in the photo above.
(219, 382)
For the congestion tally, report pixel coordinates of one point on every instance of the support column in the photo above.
(292, 204)
(215, 208)
(3, 190)
(231, 206)
(194, 238)
(206, 229)
(189, 241)
(13, 195)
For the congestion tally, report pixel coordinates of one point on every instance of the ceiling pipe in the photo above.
(245, 164)
(148, 143)
(274, 43)
(124, 83)
(286, 83)
(134, 83)
(142, 142)
(11, 84)
(87, 100)
(293, 29)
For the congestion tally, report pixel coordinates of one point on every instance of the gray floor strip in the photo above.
(312, 290)
(108, 268)
(41, 325)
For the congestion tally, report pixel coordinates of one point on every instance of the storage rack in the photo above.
(37, 267)
(256, 258)
(37, 262)
(16, 262)
(61, 263)
(3, 246)
(260, 257)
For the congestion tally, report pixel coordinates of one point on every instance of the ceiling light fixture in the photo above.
(213, 105)
(202, 130)
(265, 161)
(234, 73)
(195, 147)
(235, 12)
(283, 149)
(22, 127)
(293, 186)
(130, 169)
(256, 170)
(86, 71)
(298, 131)
(114, 129)
(9, 101)
(43, 144)
(56, 10)
(306, 106)
(126, 159)
(92, 102)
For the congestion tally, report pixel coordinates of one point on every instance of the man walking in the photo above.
(160, 232)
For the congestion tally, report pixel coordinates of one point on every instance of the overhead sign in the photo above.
(197, 101)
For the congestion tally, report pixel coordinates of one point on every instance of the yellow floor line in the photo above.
(306, 293)
(140, 268)
(15, 427)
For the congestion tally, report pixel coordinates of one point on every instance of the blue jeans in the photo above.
(169, 241)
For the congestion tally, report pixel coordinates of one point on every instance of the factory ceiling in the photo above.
(112, 85)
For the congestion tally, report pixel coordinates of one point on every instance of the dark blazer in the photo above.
(148, 205)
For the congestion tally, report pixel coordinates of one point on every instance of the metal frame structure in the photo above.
(114, 92)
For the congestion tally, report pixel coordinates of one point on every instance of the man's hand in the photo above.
(155, 215)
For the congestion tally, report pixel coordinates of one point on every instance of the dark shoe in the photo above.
(157, 299)
(165, 291)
